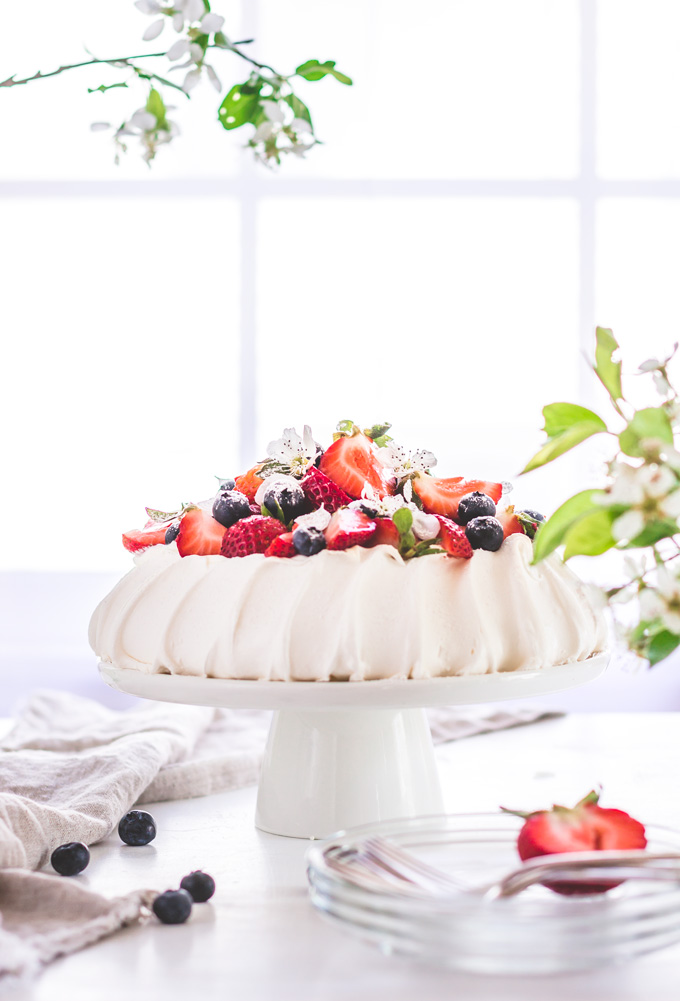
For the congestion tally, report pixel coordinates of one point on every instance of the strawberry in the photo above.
(352, 463)
(386, 533)
(152, 534)
(251, 535)
(586, 827)
(248, 482)
(349, 528)
(510, 522)
(199, 533)
(320, 489)
(442, 496)
(281, 546)
(453, 538)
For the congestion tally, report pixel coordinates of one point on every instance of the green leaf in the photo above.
(654, 532)
(551, 533)
(652, 422)
(661, 645)
(299, 108)
(563, 442)
(240, 106)
(607, 370)
(560, 417)
(314, 70)
(590, 535)
(403, 519)
(156, 106)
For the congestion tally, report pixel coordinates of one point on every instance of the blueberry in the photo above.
(308, 541)
(485, 533)
(226, 485)
(534, 515)
(290, 499)
(172, 907)
(475, 505)
(369, 508)
(199, 885)
(229, 507)
(71, 858)
(137, 828)
(171, 532)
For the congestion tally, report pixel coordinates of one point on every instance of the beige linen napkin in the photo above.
(70, 769)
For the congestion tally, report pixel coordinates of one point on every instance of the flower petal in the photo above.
(191, 80)
(154, 30)
(628, 525)
(147, 6)
(211, 22)
(194, 9)
(178, 21)
(273, 111)
(196, 52)
(213, 77)
(143, 120)
(178, 49)
(99, 126)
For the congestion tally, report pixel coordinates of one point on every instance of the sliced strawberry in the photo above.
(349, 528)
(199, 534)
(251, 535)
(319, 489)
(386, 533)
(453, 538)
(152, 534)
(281, 546)
(352, 463)
(510, 522)
(248, 482)
(442, 496)
(586, 827)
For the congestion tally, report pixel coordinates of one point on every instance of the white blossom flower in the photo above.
(317, 519)
(294, 452)
(144, 126)
(649, 492)
(425, 526)
(405, 464)
(663, 601)
(189, 11)
(280, 133)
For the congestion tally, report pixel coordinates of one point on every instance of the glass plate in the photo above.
(536, 932)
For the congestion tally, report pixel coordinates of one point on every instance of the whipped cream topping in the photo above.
(353, 615)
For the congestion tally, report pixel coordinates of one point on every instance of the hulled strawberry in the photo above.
(281, 546)
(248, 482)
(349, 528)
(453, 538)
(320, 490)
(152, 534)
(386, 533)
(441, 496)
(251, 535)
(199, 534)
(585, 827)
(352, 463)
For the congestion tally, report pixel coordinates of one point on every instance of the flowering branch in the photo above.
(282, 122)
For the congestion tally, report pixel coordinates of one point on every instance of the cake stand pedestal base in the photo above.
(329, 769)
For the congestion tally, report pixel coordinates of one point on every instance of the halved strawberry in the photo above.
(251, 535)
(199, 534)
(441, 496)
(510, 522)
(281, 546)
(152, 534)
(386, 533)
(586, 827)
(319, 489)
(352, 463)
(349, 528)
(453, 538)
(248, 482)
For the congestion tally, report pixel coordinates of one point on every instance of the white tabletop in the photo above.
(259, 939)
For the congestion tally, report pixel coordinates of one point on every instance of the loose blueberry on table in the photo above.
(70, 859)
(137, 828)
(199, 885)
(173, 907)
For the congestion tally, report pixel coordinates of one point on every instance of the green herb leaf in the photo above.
(661, 645)
(241, 105)
(552, 532)
(314, 70)
(377, 431)
(156, 106)
(652, 422)
(560, 417)
(403, 519)
(606, 369)
(160, 516)
(590, 535)
(563, 442)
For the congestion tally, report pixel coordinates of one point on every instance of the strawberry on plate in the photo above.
(199, 533)
(585, 827)
(349, 528)
(320, 490)
(281, 546)
(453, 538)
(153, 534)
(251, 535)
(441, 496)
(353, 464)
(248, 482)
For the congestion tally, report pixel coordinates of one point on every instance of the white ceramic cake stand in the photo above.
(343, 753)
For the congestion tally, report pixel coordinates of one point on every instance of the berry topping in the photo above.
(199, 885)
(199, 534)
(173, 907)
(171, 532)
(226, 485)
(71, 858)
(533, 515)
(386, 533)
(485, 533)
(137, 828)
(249, 482)
(519, 522)
(251, 535)
(320, 490)
(443, 496)
(475, 505)
(453, 538)
(285, 500)
(586, 827)
(137, 539)
(353, 464)
(281, 546)
(308, 541)
(229, 506)
(349, 528)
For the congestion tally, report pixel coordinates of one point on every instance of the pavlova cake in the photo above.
(348, 563)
